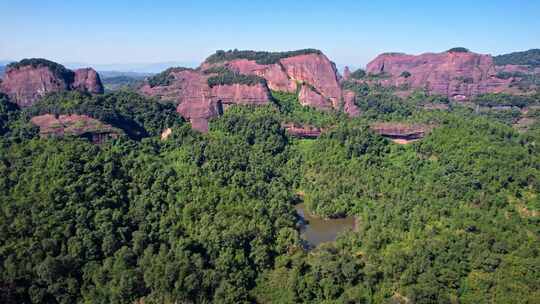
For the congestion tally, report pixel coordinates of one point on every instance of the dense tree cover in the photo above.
(224, 76)
(259, 56)
(530, 57)
(59, 70)
(501, 99)
(165, 78)
(358, 74)
(290, 110)
(209, 218)
(458, 50)
(136, 115)
(121, 82)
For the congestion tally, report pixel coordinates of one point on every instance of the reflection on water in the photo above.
(316, 230)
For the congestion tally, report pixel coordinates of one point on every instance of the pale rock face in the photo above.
(317, 71)
(308, 97)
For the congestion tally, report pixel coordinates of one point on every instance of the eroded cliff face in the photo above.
(87, 80)
(26, 84)
(292, 74)
(458, 75)
(312, 76)
(74, 125)
(198, 102)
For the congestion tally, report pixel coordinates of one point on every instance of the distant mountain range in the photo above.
(138, 68)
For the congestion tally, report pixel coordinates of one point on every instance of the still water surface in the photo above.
(316, 230)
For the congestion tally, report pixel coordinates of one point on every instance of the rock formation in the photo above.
(75, 125)
(87, 80)
(458, 75)
(401, 133)
(27, 81)
(198, 102)
(302, 131)
(293, 73)
(308, 73)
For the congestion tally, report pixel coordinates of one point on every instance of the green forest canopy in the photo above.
(210, 218)
(259, 56)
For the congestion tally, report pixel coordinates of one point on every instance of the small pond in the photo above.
(316, 230)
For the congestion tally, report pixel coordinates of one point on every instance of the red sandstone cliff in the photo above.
(198, 102)
(87, 80)
(459, 75)
(26, 83)
(291, 74)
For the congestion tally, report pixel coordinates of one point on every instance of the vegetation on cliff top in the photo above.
(165, 78)
(58, 70)
(530, 57)
(258, 56)
(136, 115)
(221, 75)
(458, 50)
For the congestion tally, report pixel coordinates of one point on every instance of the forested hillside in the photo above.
(210, 218)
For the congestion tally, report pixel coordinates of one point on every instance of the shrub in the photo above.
(358, 74)
(405, 74)
(458, 50)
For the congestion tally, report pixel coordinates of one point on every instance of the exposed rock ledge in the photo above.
(75, 125)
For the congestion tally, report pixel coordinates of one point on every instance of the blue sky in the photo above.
(349, 32)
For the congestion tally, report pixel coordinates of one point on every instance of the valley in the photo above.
(269, 177)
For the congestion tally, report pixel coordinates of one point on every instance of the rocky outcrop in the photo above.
(401, 133)
(349, 105)
(346, 73)
(291, 74)
(87, 80)
(302, 131)
(198, 102)
(308, 73)
(458, 75)
(74, 125)
(27, 81)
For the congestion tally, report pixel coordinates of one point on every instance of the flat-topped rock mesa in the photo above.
(457, 73)
(75, 125)
(307, 71)
(401, 133)
(25, 82)
(246, 77)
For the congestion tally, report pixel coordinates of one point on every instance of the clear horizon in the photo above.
(349, 33)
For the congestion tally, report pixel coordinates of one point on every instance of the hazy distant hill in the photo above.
(134, 67)
(113, 80)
